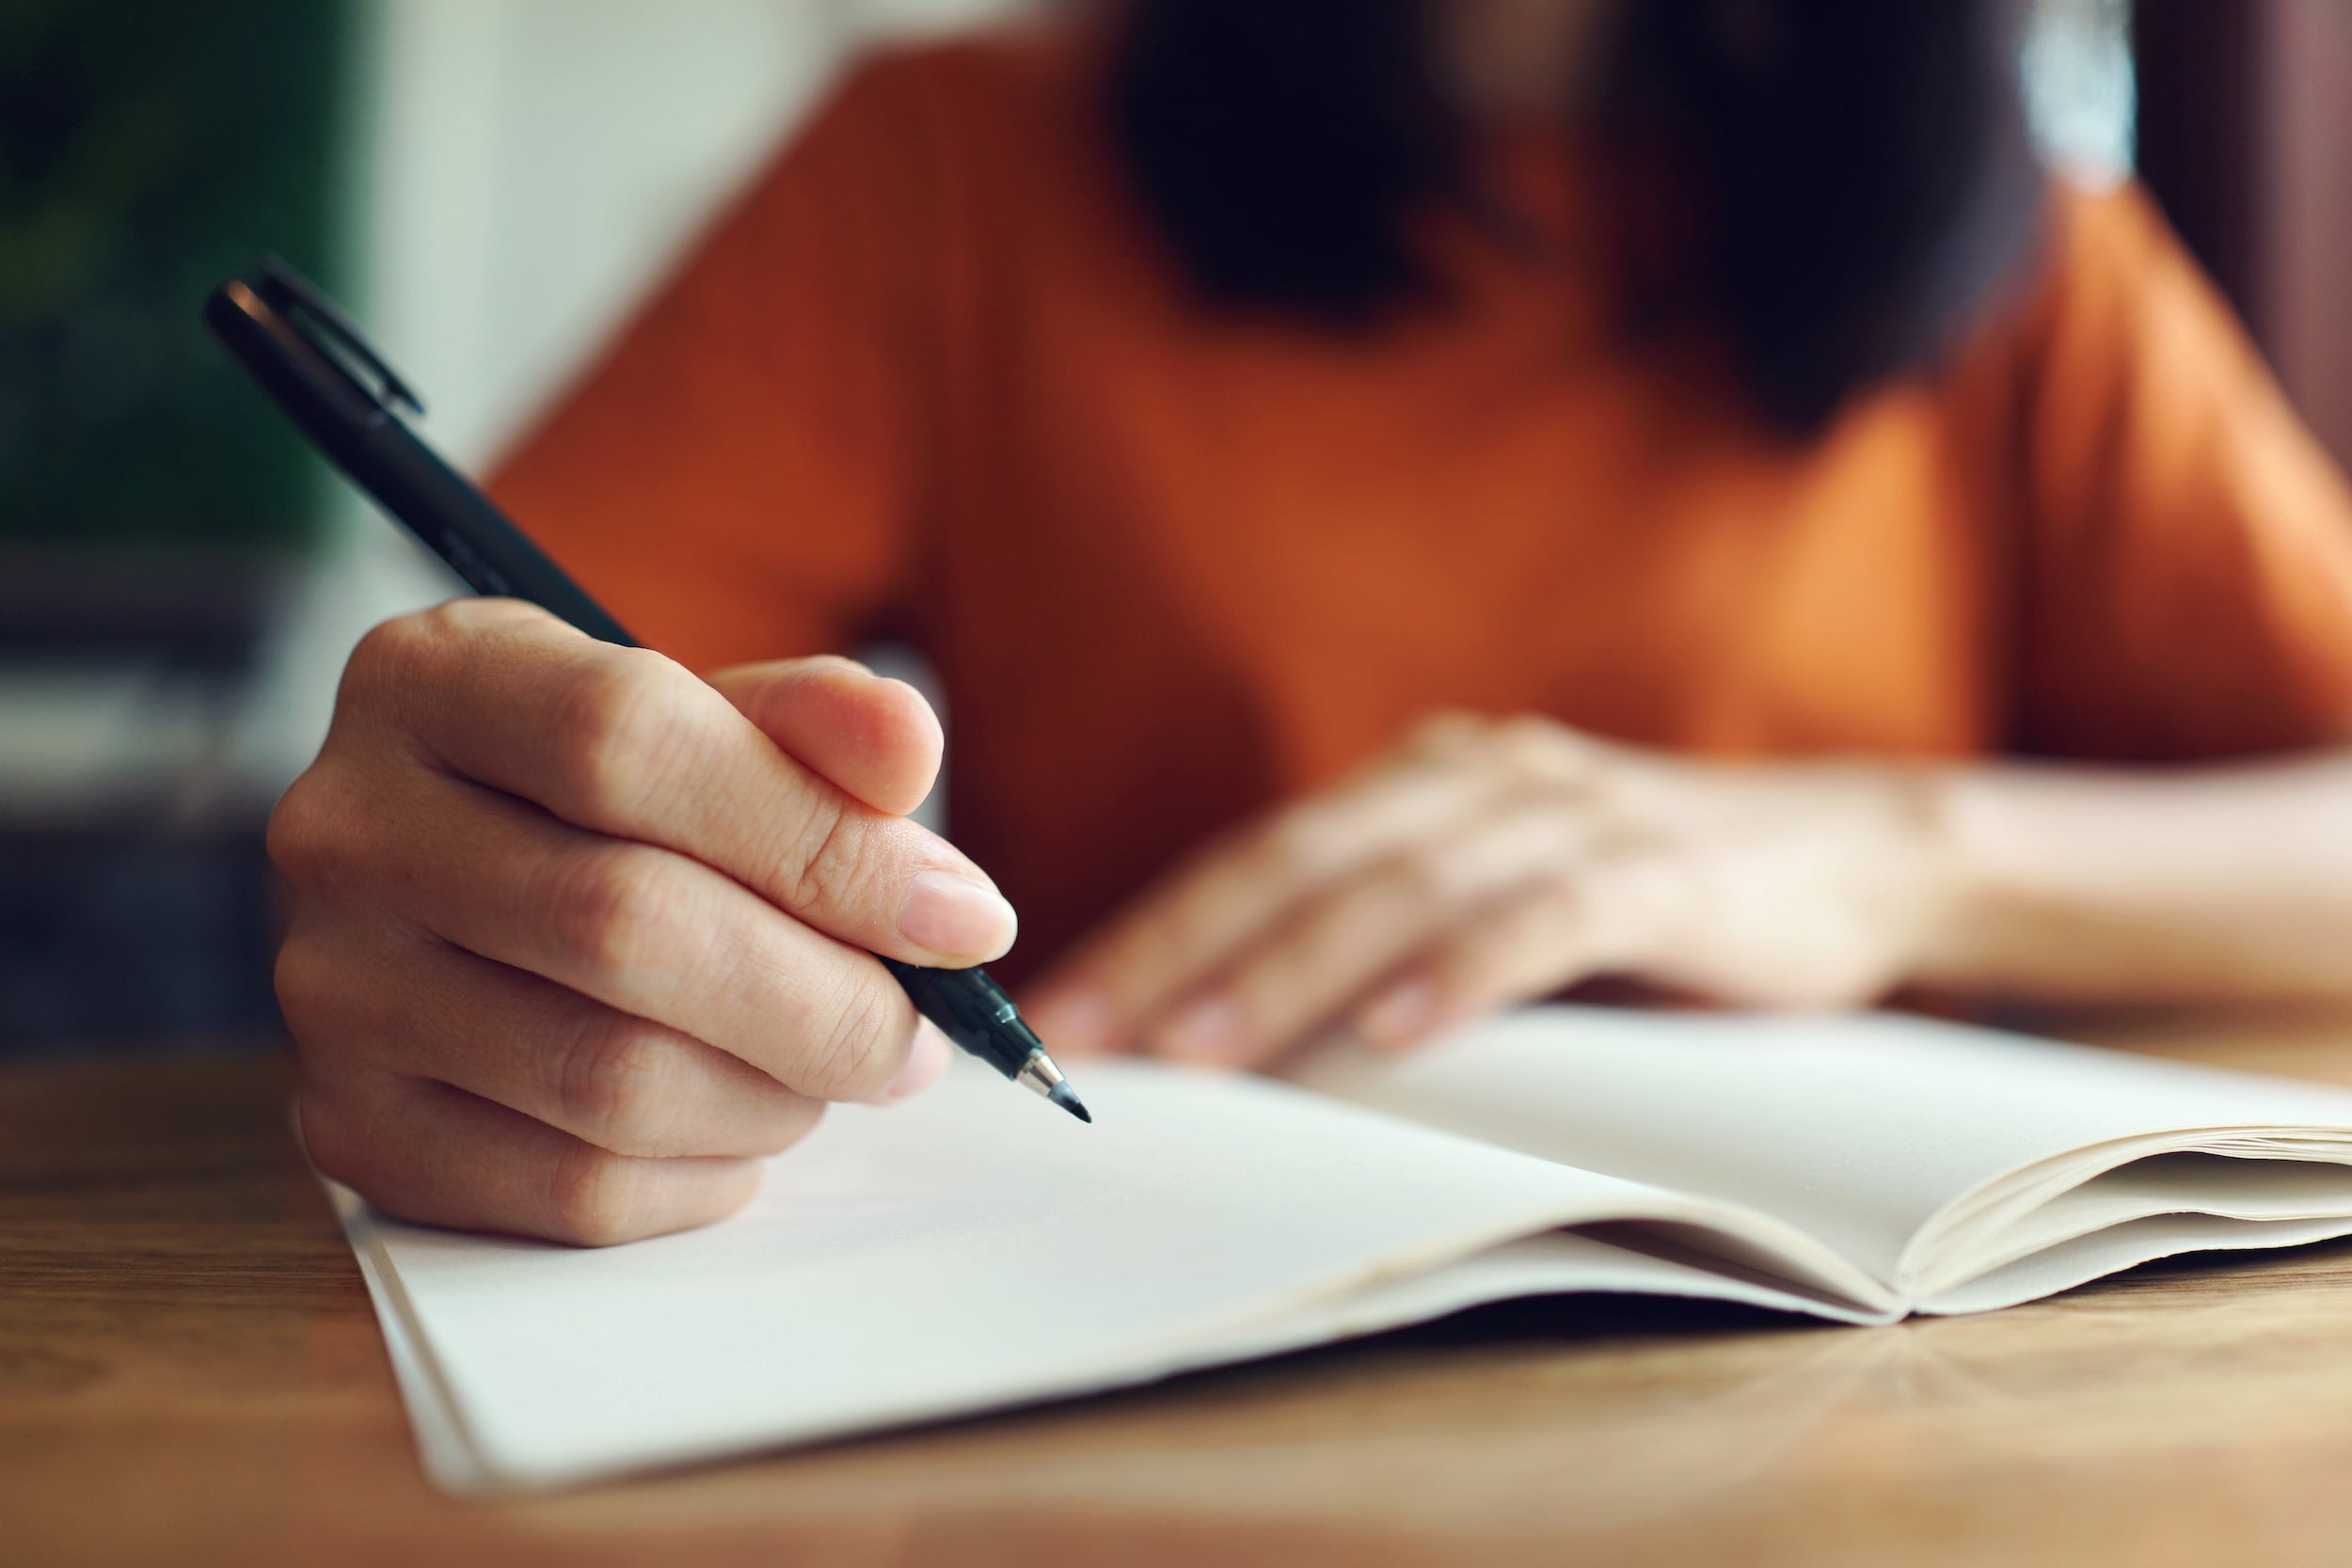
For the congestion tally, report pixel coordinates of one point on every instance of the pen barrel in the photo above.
(353, 428)
(461, 526)
(972, 1010)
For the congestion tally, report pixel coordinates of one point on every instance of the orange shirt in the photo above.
(934, 376)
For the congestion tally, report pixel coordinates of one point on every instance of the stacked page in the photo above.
(965, 1252)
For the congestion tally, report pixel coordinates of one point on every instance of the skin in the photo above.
(538, 986)
(578, 938)
(1487, 862)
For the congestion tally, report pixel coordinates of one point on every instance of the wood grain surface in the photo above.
(189, 1372)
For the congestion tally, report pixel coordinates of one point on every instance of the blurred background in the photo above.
(489, 183)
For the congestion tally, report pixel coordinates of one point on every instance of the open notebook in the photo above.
(965, 1252)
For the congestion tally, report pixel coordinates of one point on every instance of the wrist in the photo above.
(2012, 841)
(1951, 896)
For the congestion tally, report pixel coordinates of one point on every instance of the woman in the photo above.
(1416, 505)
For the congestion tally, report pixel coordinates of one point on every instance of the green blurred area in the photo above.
(147, 149)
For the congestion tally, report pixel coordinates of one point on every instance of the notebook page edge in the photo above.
(2162, 1096)
(1483, 1276)
(2118, 1248)
(484, 1464)
(1951, 1253)
(1550, 1197)
(471, 1455)
(446, 1455)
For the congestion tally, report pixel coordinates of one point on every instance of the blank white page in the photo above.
(1855, 1129)
(969, 1249)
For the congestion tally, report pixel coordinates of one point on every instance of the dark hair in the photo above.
(1862, 175)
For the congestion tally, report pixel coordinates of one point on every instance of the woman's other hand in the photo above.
(1487, 863)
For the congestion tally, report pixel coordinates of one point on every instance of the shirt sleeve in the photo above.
(736, 476)
(2186, 564)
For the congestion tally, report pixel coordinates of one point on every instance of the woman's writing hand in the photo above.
(578, 937)
(1490, 863)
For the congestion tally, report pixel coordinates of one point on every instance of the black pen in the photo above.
(313, 363)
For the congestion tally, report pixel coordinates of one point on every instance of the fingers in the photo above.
(876, 739)
(1607, 919)
(627, 1084)
(1303, 977)
(624, 742)
(644, 931)
(437, 1155)
(575, 940)
(1229, 903)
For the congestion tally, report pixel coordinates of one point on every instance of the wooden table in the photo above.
(189, 1371)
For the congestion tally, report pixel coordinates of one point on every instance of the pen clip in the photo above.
(300, 303)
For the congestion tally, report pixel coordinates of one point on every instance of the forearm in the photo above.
(2087, 885)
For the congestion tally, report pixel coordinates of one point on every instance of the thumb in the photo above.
(873, 739)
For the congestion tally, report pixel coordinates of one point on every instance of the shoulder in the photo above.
(941, 142)
(2112, 246)
(2108, 267)
(2114, 218)
(2109, 303)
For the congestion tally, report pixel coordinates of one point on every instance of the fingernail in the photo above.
(924, 1064)
(1400, 1014)
(956, 916)
(1077, 1022)
(1209, 1030)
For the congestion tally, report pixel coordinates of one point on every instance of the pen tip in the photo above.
(1070, 1103)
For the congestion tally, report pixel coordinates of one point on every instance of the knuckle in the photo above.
(613, 1085)
(1444, 732)
(393, 647)
(392, 660)
(1420, 877)
(306, 991)
(1542, 747)
(301, 834)
(592, 1197)
(336, 842)
(613, 724)
(608, 910)
(1526, 739)
(1530, 728)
